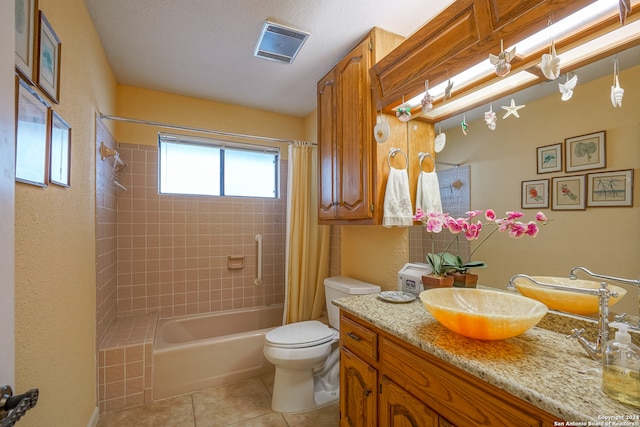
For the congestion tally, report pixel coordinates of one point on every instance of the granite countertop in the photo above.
(542, 367)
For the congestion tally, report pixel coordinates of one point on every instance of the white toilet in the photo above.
(306, 354)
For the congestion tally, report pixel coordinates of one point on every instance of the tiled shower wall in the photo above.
(455, 192)
(106, 244)
(173, 251)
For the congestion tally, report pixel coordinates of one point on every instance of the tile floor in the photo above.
(244, 403)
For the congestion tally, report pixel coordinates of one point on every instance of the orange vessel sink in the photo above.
(566, 301)
(483, 314)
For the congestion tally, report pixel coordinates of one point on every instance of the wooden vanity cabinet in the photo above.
(414, 388)
(347, 152)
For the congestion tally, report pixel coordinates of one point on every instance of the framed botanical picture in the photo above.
(550, 158)
(32, 135)
(535, 194)
(610, 188)
(48, 71)
(568, 193)
(26, 23)
(585, 152)
(60, 151)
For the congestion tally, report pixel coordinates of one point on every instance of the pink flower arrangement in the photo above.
(471, 226)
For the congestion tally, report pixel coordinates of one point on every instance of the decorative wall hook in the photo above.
(502, 61)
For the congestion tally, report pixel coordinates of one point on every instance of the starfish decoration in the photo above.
(625, 8)
(447, 90)
(512, 109)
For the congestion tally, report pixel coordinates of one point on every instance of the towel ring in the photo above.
(393, 152)
(421, 157)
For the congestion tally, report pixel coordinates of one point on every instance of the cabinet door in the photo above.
(326, 147)
(400, 409)
(358, 383)
(354, 134)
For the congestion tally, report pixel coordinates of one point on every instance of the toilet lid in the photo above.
(300, 334)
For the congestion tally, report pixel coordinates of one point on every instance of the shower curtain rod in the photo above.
(201, 130)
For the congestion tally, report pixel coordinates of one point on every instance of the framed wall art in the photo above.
(585, 152)
(611, 188)
(550, 158)
(535, 194)
(48, 71)
(32, 135)
(568, 193)
(60, 151)
(26, 23)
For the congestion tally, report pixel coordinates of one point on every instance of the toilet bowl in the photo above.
(306, 354)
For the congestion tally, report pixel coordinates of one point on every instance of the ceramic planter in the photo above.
(464, 280)
(432, 281)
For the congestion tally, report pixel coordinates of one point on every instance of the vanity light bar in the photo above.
(595, 12)
(502, 86)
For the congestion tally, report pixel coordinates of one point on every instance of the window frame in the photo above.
(222, 145)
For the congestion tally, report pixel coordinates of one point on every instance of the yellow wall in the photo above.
(55, 241)
(605, 240)
(166, 108)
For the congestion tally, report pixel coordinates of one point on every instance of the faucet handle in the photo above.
(575, 333)
(619, 317)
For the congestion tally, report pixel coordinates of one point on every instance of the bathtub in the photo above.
(196, 352)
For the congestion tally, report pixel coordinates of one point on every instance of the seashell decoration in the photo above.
(616, 91)
(427, 101)
(403, 113)
(490, 118)
(502, 61)
(566, 89)
(381, 131)
(464, 126)
(550, 64)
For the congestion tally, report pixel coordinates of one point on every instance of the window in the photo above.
(190, 165)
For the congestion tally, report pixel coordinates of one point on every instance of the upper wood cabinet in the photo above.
(347, 151)
(460, 37)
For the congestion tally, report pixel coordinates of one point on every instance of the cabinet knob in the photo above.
(367, 392)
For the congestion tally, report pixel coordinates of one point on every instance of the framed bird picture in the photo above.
(549, 158)
(568, 193)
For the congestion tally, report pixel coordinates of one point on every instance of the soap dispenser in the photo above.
(621, 367)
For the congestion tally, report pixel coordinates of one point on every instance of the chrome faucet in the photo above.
(594, 350)
(620, 317)
(572, 276)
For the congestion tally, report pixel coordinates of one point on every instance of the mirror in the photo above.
(606, 240)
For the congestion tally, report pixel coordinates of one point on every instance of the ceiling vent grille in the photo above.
(279, 43)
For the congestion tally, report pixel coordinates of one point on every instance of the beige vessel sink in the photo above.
(566, 301)
(483, 314)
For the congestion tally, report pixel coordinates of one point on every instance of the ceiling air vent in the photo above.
(279, 43)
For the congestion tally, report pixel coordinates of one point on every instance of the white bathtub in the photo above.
(196, 352)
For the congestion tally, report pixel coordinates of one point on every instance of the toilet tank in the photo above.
(341, 286)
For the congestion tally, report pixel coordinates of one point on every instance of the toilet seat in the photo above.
(310, 333)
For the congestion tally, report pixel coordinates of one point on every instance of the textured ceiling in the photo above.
(204, 48)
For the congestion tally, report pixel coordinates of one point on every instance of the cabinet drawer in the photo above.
(359, 339)
(456, 395)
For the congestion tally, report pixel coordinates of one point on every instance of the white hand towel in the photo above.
(428, 193)
(397, 200)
